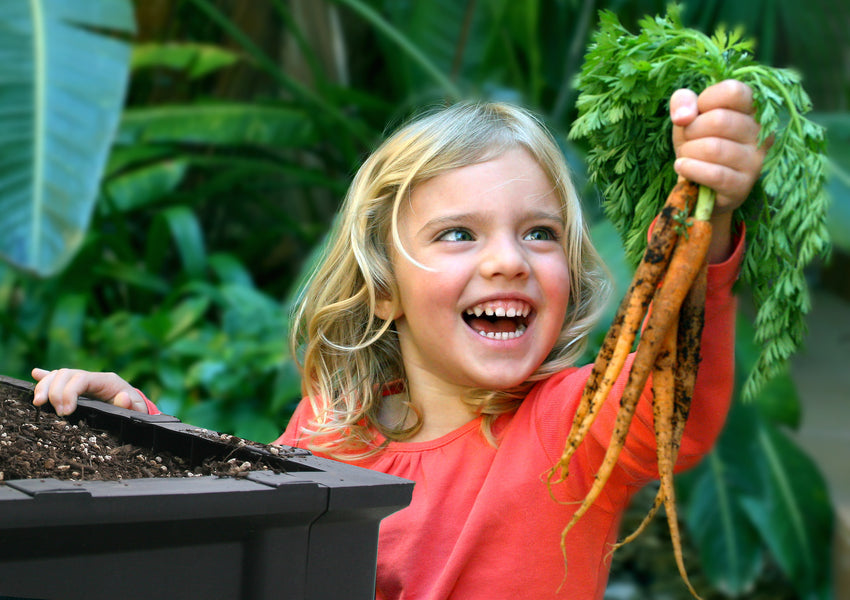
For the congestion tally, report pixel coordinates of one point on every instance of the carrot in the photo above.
(667, 428)
(689, 255)
(691, 322)
(671, 404)
(663, 391)
(630, 314)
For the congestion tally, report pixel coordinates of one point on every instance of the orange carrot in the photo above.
(691, 322)
(663, 391)
(623, 331)
(666, 424)
(687, 259)
(671, 404)
(689, 337)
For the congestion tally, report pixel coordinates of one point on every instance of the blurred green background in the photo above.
(169, 167)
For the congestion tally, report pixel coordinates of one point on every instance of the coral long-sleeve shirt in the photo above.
(482, 523)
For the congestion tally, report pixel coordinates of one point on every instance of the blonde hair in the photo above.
(346, 353)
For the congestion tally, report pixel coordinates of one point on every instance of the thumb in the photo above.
(130, 400)
(122, 399)
(683, 110)
(683, 107)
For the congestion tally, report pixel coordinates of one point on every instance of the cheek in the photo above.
(556, 287)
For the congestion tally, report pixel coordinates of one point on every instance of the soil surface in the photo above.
(35, 443)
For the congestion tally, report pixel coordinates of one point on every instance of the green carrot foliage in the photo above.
(623, 113)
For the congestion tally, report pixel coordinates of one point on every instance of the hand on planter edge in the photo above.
(62, 387)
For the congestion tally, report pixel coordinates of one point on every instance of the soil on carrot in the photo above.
(35, 443)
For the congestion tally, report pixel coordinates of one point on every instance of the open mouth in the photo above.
(499, 320)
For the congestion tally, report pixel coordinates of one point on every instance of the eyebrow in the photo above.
(475, 218)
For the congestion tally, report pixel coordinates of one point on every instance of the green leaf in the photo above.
(185, 232)
(197, 60)
(218, 124)
(65, 332)
(134, 275)
(757, 489)
(143, 186)
(62, 91)
(778, 399)
(251, 426)
(185, 315)
(229, 270)
(792, 511)
(405, 45)
(729, 546)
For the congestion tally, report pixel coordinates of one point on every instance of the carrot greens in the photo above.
(625, 85)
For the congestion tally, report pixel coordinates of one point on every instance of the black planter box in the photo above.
(309, 532)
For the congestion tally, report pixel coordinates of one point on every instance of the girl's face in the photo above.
(490, 305)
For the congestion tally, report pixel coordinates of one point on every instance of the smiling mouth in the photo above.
(499, 320)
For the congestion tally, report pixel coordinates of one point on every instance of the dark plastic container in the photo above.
(309, 532)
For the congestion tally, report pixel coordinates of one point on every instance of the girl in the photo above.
(438, 340)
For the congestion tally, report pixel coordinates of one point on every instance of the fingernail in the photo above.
(683, 112)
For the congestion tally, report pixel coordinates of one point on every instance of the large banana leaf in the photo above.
(62, 86)
(758, 490)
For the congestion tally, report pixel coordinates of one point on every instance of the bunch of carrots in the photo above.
(671, 277)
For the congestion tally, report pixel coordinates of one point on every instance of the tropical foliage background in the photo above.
(169, 167)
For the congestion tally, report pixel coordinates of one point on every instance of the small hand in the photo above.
(716, 141)
(63, 387)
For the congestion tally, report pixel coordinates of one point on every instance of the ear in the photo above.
(387, 310)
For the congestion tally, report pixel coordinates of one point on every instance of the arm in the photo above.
(62, 387)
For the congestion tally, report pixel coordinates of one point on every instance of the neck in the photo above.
(440, 407)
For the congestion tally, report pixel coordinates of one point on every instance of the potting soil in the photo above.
(35, 443)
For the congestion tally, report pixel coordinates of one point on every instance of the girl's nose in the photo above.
(503, 258)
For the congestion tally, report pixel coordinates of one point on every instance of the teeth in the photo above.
(514, 309)
(504, 335)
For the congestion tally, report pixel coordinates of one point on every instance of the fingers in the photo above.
(63, 387)
(729, 94)
(729, 168)
(723, 123)
(716, 140)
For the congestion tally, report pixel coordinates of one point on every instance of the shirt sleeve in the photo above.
(152, 408)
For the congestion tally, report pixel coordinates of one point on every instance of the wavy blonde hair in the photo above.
(346, 353)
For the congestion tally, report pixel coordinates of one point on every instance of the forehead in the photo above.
(513, 179)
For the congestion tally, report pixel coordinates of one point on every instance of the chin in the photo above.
(502, 384)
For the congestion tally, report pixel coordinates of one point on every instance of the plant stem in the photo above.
(705, 203)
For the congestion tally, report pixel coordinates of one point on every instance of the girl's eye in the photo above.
(455, 235)
(541, 234)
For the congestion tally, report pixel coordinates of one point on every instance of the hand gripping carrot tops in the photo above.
(438, 340)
